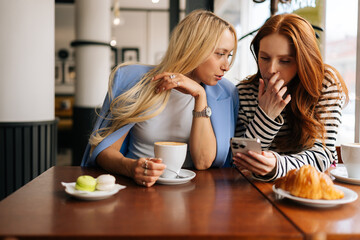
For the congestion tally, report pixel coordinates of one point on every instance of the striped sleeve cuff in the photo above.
(273, 177)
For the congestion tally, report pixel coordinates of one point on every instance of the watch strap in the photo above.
(206, 112)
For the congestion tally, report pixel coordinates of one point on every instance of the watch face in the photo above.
(208, 111)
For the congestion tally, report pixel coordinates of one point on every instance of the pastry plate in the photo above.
(349, 196)
(340, 174)
(91, 196)
(188, 175)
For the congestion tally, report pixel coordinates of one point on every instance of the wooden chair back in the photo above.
(338, 150)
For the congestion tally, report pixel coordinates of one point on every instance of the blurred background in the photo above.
(57, 56)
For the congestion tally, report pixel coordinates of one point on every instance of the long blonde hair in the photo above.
(192, 41)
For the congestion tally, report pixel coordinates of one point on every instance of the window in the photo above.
(340, 52)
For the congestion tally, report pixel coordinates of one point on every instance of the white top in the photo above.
(172, 124)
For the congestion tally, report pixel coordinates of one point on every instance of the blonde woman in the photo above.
(185, 98)
(292, 104)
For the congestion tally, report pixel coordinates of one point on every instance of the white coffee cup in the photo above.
(173, 155)
(350, 155)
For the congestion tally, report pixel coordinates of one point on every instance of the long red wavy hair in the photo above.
(303, 118)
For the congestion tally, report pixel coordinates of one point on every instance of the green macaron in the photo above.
(85, 183)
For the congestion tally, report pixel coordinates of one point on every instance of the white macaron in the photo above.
(105, 182)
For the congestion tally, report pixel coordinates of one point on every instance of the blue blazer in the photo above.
(222, 99)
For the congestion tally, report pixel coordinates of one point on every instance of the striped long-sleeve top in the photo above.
(254, 123)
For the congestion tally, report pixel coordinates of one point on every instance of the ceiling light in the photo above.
(116, 21)
(113, 43)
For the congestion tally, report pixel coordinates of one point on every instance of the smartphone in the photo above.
(243, 145)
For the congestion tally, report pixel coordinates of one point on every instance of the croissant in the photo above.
(307, 182)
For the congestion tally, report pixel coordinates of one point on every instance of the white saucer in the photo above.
(91, 196)
(349, 196)
(174, 181)
(340, 174)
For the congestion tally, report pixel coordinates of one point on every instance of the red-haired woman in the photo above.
(292, 104)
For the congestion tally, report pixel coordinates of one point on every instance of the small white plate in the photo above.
(340, 174)
(91, 196)
(175, 181)
(349, 196)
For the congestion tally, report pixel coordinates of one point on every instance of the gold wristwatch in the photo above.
(206, 112)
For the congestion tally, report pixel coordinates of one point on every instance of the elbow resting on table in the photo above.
(202, 165)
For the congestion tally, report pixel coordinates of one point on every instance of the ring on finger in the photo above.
(146, 164)
(144, 183)
(172, 76)
(178, 83)
(145, 172)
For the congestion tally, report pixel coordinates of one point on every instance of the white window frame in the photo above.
(357, 83)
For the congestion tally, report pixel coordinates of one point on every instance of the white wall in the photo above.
(158, 36)
(133, 32)
(146, 30)
(26, 61)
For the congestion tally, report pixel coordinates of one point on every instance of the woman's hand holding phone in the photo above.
(247, 155)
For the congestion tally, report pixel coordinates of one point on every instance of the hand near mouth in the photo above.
(271, 98)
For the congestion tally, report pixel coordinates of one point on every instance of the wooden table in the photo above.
(216, 204)
(341, 222)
